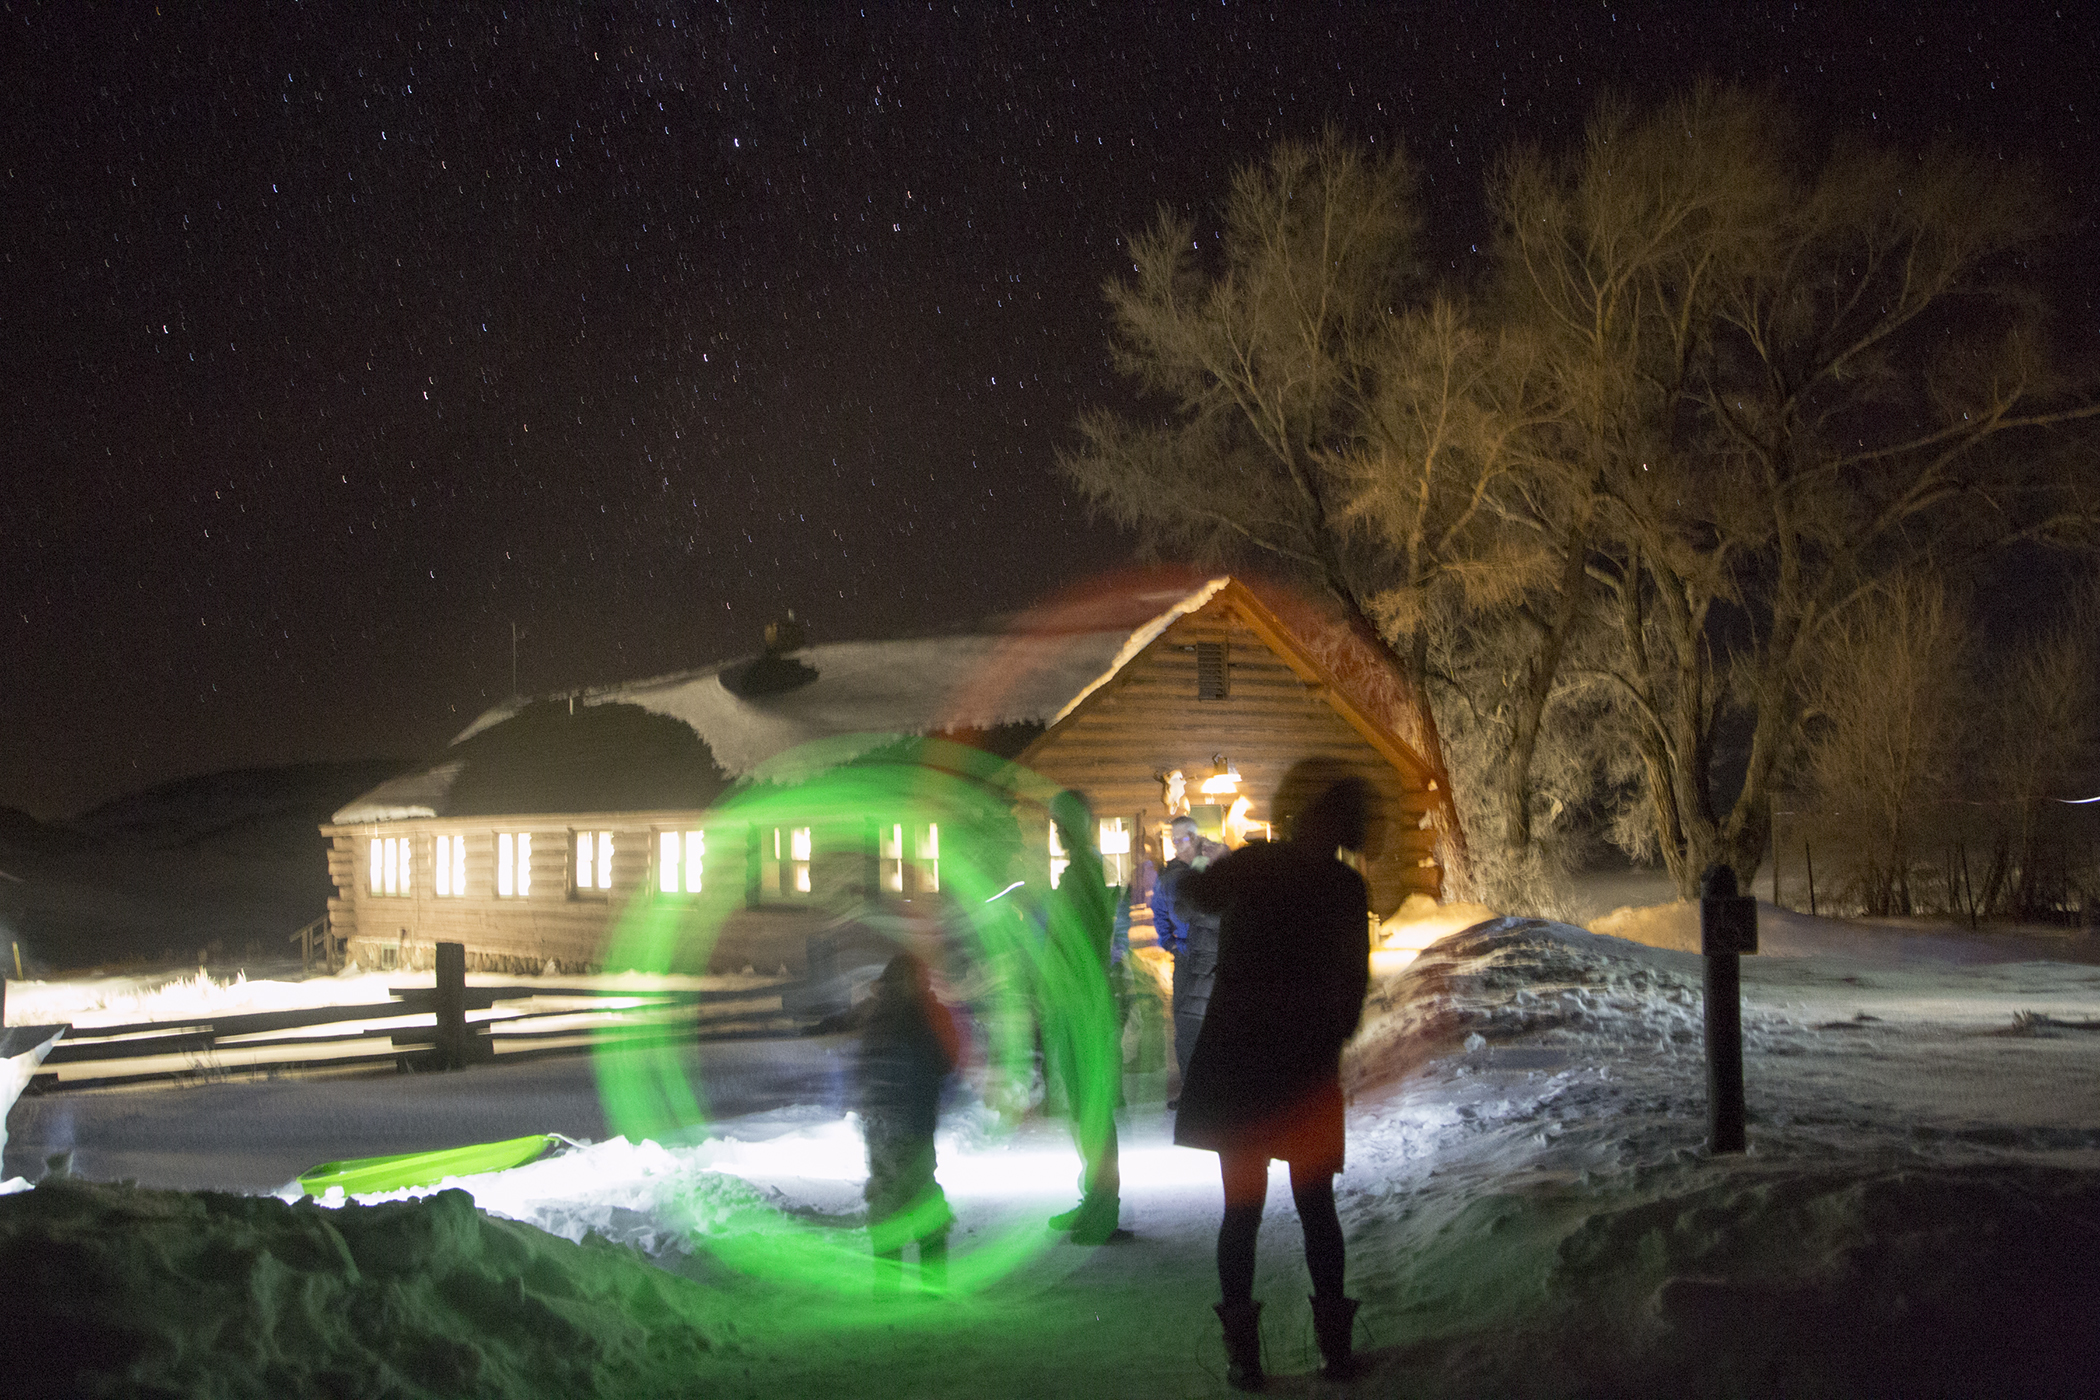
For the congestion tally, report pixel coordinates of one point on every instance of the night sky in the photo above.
(340, 338)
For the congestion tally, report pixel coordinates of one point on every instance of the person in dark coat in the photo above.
(1264, 1078)
(908, 1049)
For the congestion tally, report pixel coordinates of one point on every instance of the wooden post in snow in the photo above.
(1727, 930)
(451, 1004)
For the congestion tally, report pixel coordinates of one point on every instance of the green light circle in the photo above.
(647, 1093)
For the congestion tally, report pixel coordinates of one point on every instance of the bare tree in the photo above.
(1727, 387)
(1791, 377)
(1324, 417)
(1887, 702)
(1267, 355)
(2036, 741)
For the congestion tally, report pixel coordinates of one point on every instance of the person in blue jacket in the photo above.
(1189, 934)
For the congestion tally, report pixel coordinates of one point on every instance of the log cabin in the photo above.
(546, 818)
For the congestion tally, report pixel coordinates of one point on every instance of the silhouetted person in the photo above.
(1081, 1038)
(907, 1051)
(1189, 935)
(1264, 1078)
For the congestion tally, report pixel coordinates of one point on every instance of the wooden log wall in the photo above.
(1148, 720)
(572, 928)
(551, 923)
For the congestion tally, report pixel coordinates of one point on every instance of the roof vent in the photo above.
(784, 636)
(1210, 671)
(775, 672)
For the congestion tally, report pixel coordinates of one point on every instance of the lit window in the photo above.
(925, 858)
(1115, 851)
(893, 858)
(799, 846)
(514, 864)
(450, 875)
(680, 856)
(391, 865)
(929, 856)
(1058, 859)
(785, 867)
(594, 853)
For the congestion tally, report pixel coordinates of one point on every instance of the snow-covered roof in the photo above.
(418, 794)
(863, 695)
(882, 689)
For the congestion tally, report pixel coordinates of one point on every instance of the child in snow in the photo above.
(907, 1052)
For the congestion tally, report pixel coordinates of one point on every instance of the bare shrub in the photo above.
(1887, 704)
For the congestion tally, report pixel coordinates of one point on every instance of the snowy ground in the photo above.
(1528, 1207)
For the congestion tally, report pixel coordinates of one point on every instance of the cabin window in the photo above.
(1210, 670)
(1115, 850)
(800, 847)
(924, 858)
(592, 868)
(513, 864)
(785, 867)
(680, 858)
(893, 858)
(1059, 861)
(929, 858)
(392, 865)
(449, 870)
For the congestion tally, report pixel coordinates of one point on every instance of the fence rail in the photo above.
(502, 1022)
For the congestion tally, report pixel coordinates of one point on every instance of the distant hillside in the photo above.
(188, 810)
(232, 861)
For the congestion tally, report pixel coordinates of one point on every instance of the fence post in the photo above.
(1727, 929)
(451, 1004)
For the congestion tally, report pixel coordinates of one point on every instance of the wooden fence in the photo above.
(498, 1023)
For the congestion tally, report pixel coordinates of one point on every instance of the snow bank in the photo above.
(656, 1199)
(114, 1001)
(1512, 977)
(16, 1071)
(1531, 1211)
(120, 1292)
(1693, 1278)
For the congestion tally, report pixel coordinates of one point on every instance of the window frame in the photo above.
(514, 864)
(392, 864)
(590, 862)
(448, 865)
(688, 845)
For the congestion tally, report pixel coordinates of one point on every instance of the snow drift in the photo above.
(123, 1292)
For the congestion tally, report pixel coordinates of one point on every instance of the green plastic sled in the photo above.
(406, 1169)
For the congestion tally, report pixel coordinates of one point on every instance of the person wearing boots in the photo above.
(907, 1051)
(1264, 1077)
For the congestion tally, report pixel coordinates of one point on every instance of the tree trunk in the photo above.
(1513, 785)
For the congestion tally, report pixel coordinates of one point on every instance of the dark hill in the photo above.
(227, 862)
